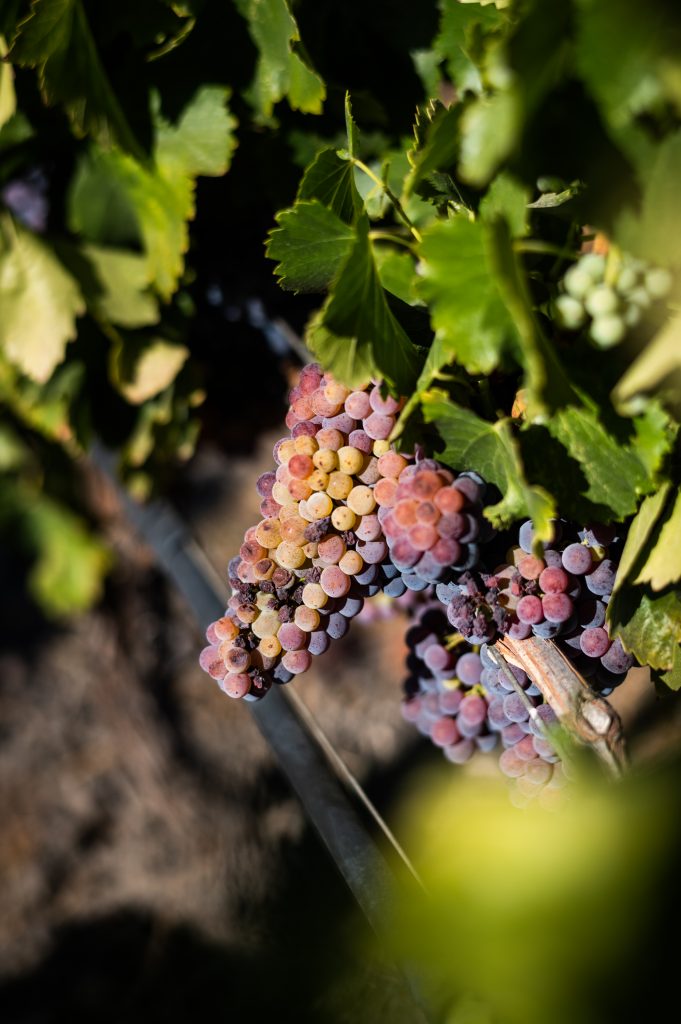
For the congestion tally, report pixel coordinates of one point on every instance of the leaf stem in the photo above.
(535, 245)
(399, 209)
(386, 236)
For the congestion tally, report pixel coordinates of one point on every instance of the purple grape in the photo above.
(577, 559)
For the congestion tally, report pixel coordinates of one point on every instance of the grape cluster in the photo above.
(455, 696)
(305, 569)
(431, 518)
(609, 294)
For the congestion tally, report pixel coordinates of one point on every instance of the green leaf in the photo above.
(460, 24)
(356, 330)
(436, 146)
(491, 450)
(280, 71)
(71, 564)
(616, 475)
(663, 565)
(122, 294)
(115, 201)
(46, 408)
(636, 72)
(143, 368)
(332, 181)
(672, 678)
(639, 532)
(351, 362)
(8, 99)
(507, 198)
(469, 316)
(310, 245)
(648, 624)
(55, 38)
(358, 313)
(657, 369)
(490, 129)
(203, 140)
(397, 272)
(653, 235)
(40, 302)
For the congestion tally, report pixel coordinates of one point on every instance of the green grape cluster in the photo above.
(609, 295)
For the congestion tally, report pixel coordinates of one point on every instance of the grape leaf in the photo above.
(121, 294)
(55, 38)
(648, 624)
(203, 140)
(639, 533)
(143, 367)
(453, 42)
(507, 198)
(436, 146)
(115, 200)
(357, 312)
(310, 245)
(491, 450)
(656, 369)
(654, 233)
(671, 678)
(8, 99)
(332, 181)
(615, 473)
(457, 279)
(636, 72)
(280, 71)
(663, 565)
(397, 272)
(490, 129)
(351, 362)
(40, 302)
(71, 564)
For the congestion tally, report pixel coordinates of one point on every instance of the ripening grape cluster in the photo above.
(345, 517)
(610, 295)
(305, 569)
(561, 596)
(456, 696)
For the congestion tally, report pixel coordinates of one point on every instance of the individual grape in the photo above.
(607, 330)
(337, 625)
(594, 642)
(553, 580)
(569, 312)
(291, 637)
(601, 301)
(602, 580)
(319, 642)
(334, 582)
(461, 752)
(444, 732)
(297, 661)
(469, 668)
(236, 685)
(577, 559)
(658, 282)
(616, 659)
(530, 610)
(557, 608)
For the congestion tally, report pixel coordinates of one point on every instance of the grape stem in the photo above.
(586, 716)
(399, 209)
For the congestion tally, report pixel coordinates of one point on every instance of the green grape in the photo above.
(631, 315)
(627, 279)
(569, 312)
(640, 297)
(550, 183)
(577, 282)
(607, 330)
(601, 300)
(593, 264)
(658, 281)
